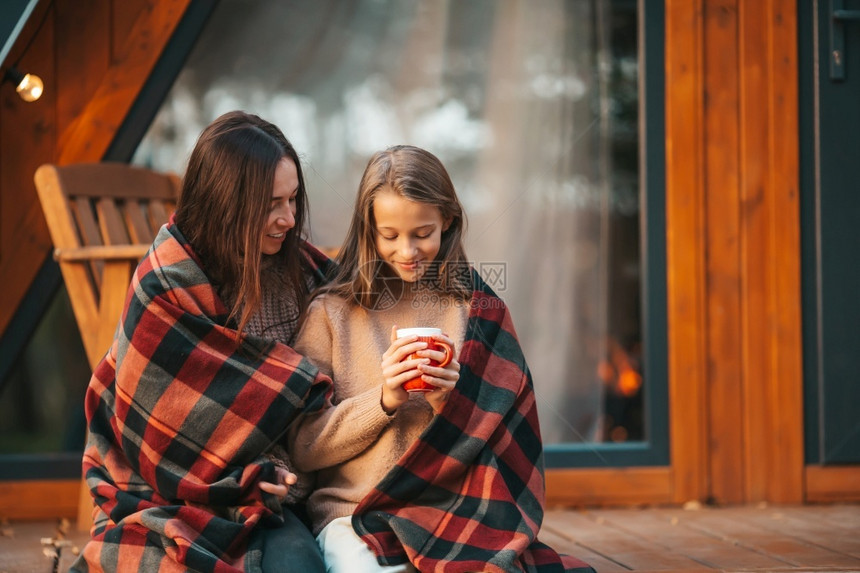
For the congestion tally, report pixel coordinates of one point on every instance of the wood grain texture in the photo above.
(123, 17)
(608, 486)
(785, 334)
(39, 499)
(671, 540)
(685, 249)
(733, 251)
(83, 44)
(85, 207)
(722, 250)
(78, 278)
(657, 529)
(729, 539)
(94, 56)
(89, 135)
(829, 484)
(770, 253)
(755, 244)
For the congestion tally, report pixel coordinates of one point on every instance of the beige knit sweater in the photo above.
(353, 444)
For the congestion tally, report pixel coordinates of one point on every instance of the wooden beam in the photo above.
(87, 138)
(785, 383)
(770, 253)
(103, 252)
(831, 484)
(725, 406)
(608, 486)
(755, 244)
(39, 499)
(685, 249)
(83, 54)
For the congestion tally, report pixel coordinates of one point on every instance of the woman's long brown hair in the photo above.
(224, 207)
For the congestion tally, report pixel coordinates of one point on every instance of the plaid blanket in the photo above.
(469, 494)
(179, 418)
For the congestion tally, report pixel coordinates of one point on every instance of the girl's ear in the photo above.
(447, 223)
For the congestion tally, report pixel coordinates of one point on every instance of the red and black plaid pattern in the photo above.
(469, 494)
(179, 418)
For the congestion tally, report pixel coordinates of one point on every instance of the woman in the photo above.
(199, 384)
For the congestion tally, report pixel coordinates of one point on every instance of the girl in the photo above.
(199, 381)
(403, 263)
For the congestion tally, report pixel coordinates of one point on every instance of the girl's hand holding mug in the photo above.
(440, 351)
(419, 360)
(439, 374)
(400, 365)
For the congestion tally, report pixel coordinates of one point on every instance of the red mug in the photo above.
(425, 335)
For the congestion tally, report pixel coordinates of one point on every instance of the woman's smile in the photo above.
(282, 215)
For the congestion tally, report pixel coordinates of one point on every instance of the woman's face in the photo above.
(282, 209)
(408, 234)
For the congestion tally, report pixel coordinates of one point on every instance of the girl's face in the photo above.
(282, 209)
(408, 234)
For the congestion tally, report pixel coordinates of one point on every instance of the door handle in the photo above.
(838, 17)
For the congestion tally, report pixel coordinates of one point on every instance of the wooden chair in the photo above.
(102, 218)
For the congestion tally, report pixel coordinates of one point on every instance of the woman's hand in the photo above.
(396, 370)
(444, 378)
(284, 479)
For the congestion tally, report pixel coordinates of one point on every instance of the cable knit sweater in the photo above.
(353, 444)
(278, 316)
(277, 319)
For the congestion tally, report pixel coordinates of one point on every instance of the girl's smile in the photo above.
(408, 233)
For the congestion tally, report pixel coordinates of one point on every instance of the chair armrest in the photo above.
(101, 252)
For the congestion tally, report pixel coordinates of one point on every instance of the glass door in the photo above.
(830, 169)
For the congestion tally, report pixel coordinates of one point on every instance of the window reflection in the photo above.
(42, 405)
(533, 107)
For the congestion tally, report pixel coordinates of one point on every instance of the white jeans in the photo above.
(345, 552)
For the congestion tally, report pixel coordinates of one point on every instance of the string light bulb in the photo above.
(28, 86)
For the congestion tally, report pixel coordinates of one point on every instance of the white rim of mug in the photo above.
(418, 331)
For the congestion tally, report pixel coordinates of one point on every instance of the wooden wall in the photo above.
(734, 250)
(94, 56)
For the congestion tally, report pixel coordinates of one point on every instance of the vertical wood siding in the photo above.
(734, 250)
(94, 56)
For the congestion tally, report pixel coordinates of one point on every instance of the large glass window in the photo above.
(534, 109)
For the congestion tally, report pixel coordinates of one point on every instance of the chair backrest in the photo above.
(102, 218)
